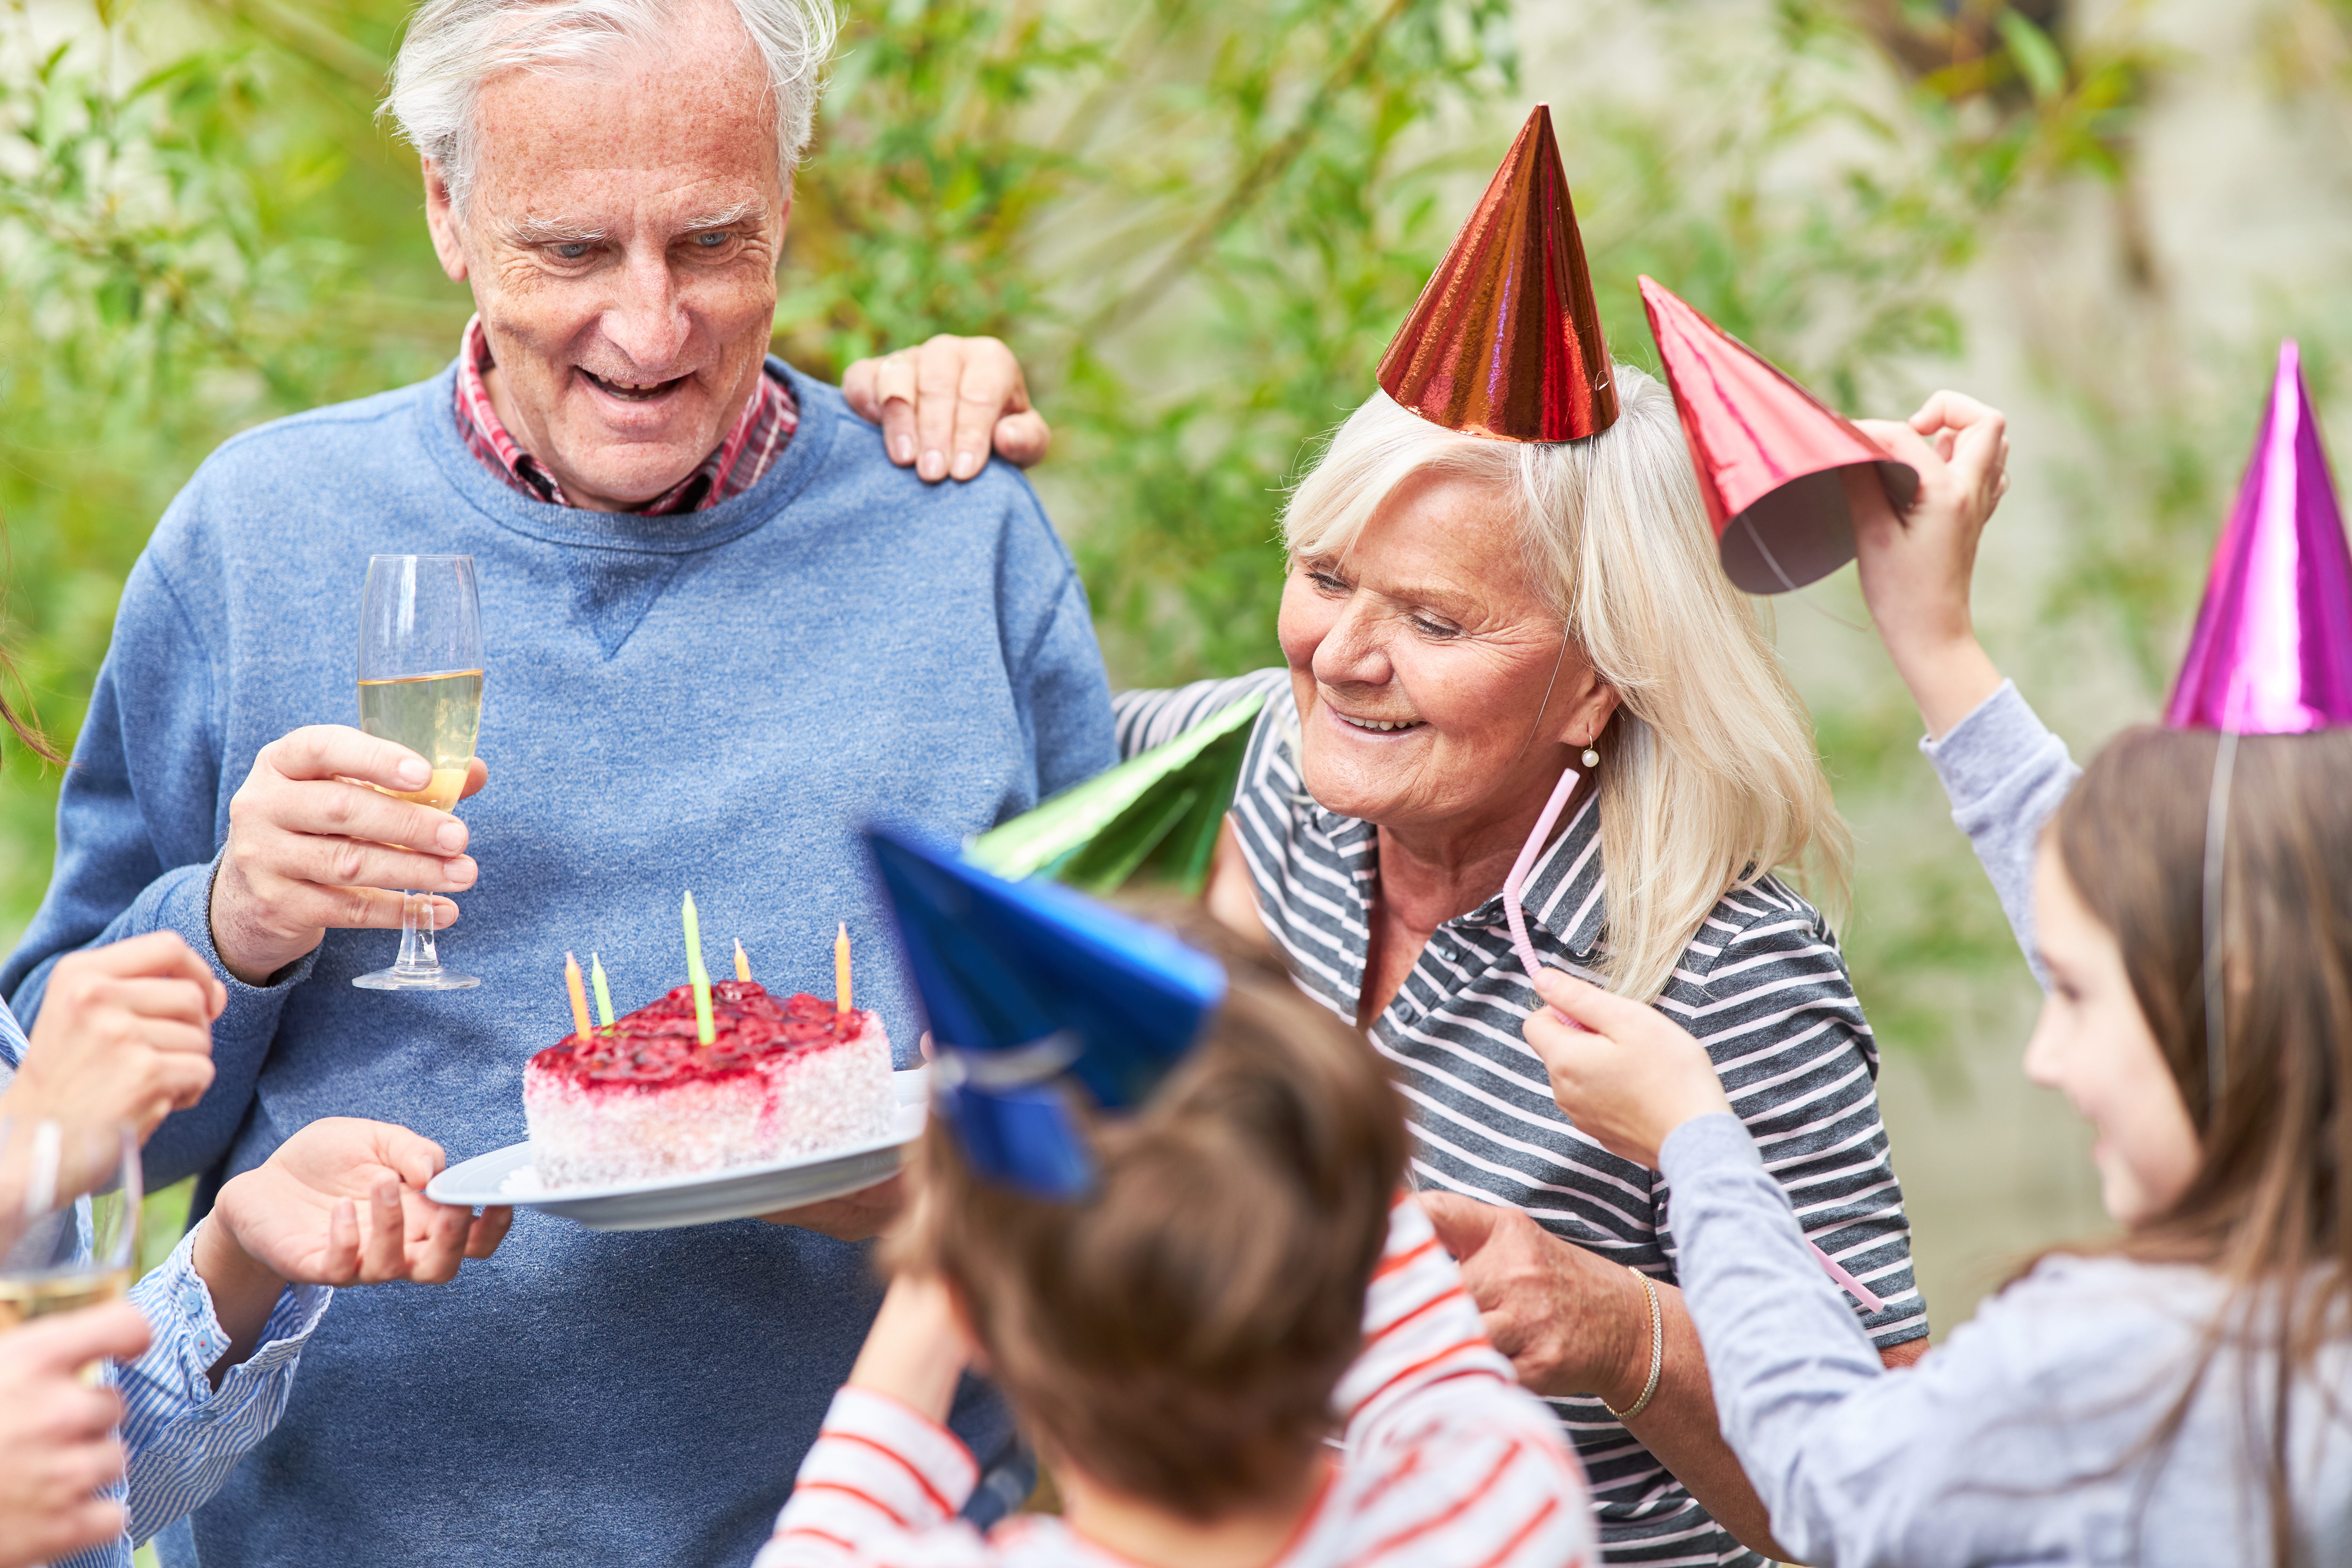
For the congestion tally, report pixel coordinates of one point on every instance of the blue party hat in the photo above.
(1034, 992)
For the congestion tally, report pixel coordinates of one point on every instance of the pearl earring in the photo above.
(1592, 758)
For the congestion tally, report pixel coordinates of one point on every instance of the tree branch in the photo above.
(1268, 167)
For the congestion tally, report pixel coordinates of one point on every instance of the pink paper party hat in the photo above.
(1767, 452)
(2272, 654)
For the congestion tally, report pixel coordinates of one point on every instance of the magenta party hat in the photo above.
(2272, 654)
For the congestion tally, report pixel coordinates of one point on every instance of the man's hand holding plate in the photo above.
(855, 1216)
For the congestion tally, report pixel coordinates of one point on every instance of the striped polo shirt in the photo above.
(1761, 985)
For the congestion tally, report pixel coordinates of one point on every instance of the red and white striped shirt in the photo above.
(1445, 1459)
(759, 437)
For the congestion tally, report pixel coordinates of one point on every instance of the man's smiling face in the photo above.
(622, 238)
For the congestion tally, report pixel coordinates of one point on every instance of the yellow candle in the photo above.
(579, 999)
(841, 970)
(742, 964)
(604, 991)
(705, 1029)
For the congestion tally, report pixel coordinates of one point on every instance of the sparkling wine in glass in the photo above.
(56, 1256)
(420, 686)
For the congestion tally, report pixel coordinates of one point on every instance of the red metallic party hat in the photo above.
(1504, 341)
(2272, 654)
(1768, 452)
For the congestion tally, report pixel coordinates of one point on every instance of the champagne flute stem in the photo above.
(418, 967)
(417, 954)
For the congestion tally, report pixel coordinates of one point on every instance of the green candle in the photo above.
(705, 1028)
(604, 991)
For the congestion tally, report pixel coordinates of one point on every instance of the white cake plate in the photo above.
(505, 1176)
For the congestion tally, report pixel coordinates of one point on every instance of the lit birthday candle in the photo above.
(742, 964)
(705, 1029)
(604, 991)
(841, 970)
(579, 1001)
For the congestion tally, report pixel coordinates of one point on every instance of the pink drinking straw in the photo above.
(1517, 880)
(1515, 884)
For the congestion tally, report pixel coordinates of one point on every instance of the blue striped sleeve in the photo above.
(183, 1436)
(13, 1046)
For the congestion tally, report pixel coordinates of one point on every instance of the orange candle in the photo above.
(579, 995)
(742, 964)
(841, 969)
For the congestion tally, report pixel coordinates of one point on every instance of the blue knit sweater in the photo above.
(713, 702)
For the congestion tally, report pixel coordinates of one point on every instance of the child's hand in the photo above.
(124, 1034)
(1633, 1079)
(1916, 570)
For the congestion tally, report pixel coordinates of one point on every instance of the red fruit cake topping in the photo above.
(659, 1043)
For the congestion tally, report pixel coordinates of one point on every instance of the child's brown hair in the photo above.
(1177, 1334)
(2270, 1206)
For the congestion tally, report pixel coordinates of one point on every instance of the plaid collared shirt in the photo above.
(750, 448)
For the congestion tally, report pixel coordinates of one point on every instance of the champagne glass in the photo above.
(58, 1254)
(68, 1219)
(421, 685)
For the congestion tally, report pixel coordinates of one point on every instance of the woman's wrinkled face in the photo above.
(1421, 660)
(2094, 1045)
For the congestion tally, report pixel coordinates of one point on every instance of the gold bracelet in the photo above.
(1657, 1351)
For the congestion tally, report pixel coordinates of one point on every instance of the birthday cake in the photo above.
(644, 1098)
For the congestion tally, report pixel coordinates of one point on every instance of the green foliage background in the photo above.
(1197, 222)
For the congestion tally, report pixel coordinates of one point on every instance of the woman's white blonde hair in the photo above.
(1709, 777)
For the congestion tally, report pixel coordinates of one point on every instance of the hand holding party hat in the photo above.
(1504, 341)
(1769, 455)
(1035, 992)
(2272, 654)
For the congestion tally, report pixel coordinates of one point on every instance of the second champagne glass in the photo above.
(56, 1256)
(420, 686)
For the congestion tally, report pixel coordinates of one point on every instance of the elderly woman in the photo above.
(1464, 618)
(1508, 574)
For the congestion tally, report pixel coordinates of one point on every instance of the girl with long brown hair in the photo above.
(2173, 1395)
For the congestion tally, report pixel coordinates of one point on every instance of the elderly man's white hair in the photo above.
(453, 47)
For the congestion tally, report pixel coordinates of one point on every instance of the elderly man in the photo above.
(722, 630)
